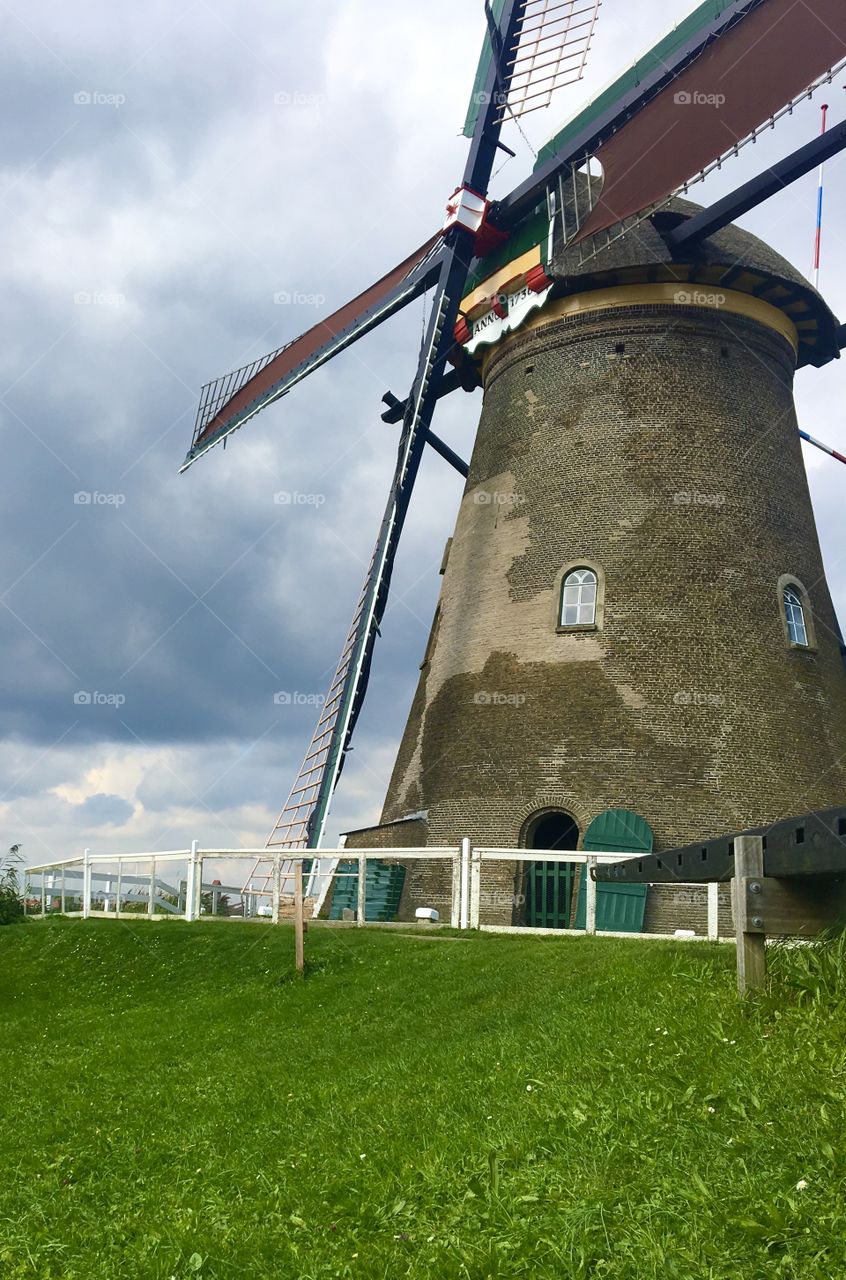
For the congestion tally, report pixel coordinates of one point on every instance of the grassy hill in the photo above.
(177, 1103)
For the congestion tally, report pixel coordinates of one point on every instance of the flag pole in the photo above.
(818, 238)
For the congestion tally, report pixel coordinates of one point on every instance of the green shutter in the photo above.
(383, 890)
(620, 908)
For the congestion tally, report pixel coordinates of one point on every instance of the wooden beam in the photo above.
(749, 926)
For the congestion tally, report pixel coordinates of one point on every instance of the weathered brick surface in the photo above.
(660, 443)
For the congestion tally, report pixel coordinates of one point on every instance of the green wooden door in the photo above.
(549, 893)
(620, 908)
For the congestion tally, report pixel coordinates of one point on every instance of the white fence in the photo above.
(177, 884)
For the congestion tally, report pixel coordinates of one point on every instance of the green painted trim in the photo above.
(482, 72)
(532, 230)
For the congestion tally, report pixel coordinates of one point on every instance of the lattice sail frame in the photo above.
(554, 41)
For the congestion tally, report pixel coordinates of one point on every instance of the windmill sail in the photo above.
(696, 95)
(230, 401)
(553, 42)
(735, 84)
(302, 821)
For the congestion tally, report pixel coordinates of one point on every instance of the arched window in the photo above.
(794, 616)
(578, 598)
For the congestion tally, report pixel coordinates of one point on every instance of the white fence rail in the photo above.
(162, 889)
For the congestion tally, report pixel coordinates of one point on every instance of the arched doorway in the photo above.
(549, 885)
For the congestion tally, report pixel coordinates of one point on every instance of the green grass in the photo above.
(177, 1103)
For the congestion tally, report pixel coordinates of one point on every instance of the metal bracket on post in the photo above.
(361, 905)
(590, 897)
(749, 926)
(86, 884)
(464, 919)
(475, 888)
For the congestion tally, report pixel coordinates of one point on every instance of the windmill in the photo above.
(729, 71)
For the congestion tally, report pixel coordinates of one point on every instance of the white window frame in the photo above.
(590, 619)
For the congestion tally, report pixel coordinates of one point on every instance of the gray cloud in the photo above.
(144, 241)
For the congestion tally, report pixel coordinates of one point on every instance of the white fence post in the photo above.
(86, 884)
(198, 886)
(43, 894)
(119, 896)
(361, 906)
(455, 915)
(151, 894)
(277, 886)
(713, 911)
(475, 888)
(465, 884)
(191, 886)
(63, 891)
(590, 897)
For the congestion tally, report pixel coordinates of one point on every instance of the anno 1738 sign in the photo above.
(505, 313)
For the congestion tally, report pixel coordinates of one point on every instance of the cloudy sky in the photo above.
(168, 171)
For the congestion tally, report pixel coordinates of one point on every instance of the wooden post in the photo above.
(590, 896)
(298, 915)
(361, 908)
(749, 927)
(63, 891)
(465, 883)
(714, 911)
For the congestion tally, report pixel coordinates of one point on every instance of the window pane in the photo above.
(794, 613)
(589, 593)
(571, 616)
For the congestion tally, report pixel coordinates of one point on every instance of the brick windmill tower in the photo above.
(634, 639)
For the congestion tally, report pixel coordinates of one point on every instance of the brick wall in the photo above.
(660, 444)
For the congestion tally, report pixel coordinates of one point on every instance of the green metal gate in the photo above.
(620, 908)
